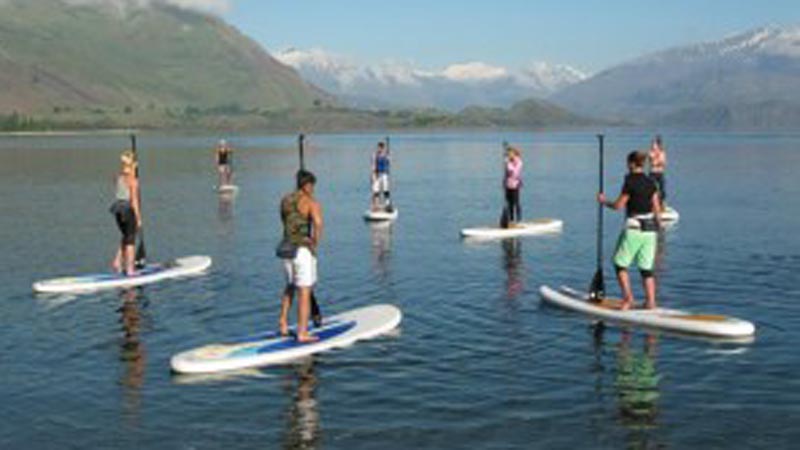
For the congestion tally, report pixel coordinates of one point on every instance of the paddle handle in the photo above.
(301, 145)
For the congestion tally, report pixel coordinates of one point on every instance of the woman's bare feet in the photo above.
(306, 338)
(626, 305)
(283, 327)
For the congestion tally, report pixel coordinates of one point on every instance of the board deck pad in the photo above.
(271, 348)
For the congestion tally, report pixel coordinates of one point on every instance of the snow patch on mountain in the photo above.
(405, 84)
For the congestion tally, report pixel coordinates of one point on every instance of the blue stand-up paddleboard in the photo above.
(151, 273)
(270, 348)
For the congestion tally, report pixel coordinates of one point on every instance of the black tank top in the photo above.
(223, 157)
(640, 188)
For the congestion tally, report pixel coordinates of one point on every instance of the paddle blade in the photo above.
(141, 252)
(504, 218)
(316, 314)
(597, 290)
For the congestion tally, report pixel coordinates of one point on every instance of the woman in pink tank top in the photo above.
(513, 183)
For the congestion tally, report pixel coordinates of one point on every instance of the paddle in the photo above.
(389, 207)
(316, 313)
(504, 220)
(597, 290)
(301, 144)
(141, 252)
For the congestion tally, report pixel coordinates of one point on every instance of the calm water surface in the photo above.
(478, 363)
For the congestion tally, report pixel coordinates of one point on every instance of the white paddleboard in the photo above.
(381, 215)
(270, 348)
(150, 274)
(228, 189)
(533, 227)
(670, 216)
(661, 318)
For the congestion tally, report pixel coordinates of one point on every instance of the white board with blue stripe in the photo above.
(270, 348)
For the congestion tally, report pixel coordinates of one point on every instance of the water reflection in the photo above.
(635, 384)
(661, 253)
(225, 209)
(302, 419)
(381, 239)
(514, 267)
(132, 353)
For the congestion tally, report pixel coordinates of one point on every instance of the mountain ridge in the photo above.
(760, 66)
(81, 56)
(404, 85)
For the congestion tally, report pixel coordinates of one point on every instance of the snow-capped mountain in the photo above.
(756, 71)
(402, 84)
(770, 40)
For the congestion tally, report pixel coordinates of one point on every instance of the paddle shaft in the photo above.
(301, 145)
(504, 212)
(141, 251)
(597, 290)
(600, 207)
(316, 313)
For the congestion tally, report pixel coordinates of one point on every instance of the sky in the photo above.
(590, 34)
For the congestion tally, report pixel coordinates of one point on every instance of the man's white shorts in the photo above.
(302, 270)
(381, 184)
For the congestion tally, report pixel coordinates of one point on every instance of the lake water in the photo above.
(479, 362)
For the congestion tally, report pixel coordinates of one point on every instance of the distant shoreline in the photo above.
(68, 133)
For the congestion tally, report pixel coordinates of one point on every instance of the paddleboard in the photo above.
(381, 215)
(150, 274)
(661, 318)
(270, 348)
(533, 227)
(670, 216)
(228, 189)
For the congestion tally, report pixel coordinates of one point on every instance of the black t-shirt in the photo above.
(640, 188)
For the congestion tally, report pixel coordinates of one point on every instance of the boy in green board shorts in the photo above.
(639, 239)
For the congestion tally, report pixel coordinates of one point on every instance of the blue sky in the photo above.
(590, 34)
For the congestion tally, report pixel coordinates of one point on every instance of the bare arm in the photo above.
(133, 187)
(617, 204)
(655, 201)
(316, 219)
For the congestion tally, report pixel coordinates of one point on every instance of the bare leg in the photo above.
(129, 254)
(286, 304)
(649, 284)
(303, 313)
(625, 285)
(116, 263)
